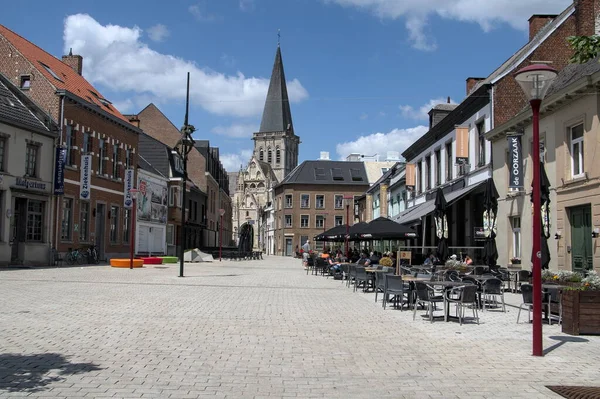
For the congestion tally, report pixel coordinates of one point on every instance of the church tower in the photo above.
(275, 143)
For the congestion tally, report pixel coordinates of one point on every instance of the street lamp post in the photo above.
(347, 200)
(133, 193)
(535, 81)
(221, 213)
(183, 148)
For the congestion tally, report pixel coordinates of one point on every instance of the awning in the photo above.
(415, 213)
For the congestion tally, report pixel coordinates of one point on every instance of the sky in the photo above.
(362, 74)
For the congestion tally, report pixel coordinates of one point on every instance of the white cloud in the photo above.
(199, 12)
(232, 162)
(158, 32)
(486, 13)
(408, 111)
(115, 57)
(235, 130)
(246, 5)
(381, 143)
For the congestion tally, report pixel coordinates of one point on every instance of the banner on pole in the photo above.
(515, 162)
(127, 186)
(85, 177)
(59, 171)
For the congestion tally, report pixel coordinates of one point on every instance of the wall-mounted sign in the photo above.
(59, 171)
(462, 145)
(86, 177)
(30, 184)
(410, 175)
(128, 185)
(515, 162)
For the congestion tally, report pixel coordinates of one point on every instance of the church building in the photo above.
(275, 155)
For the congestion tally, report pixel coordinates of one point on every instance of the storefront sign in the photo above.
(86, 177)
(59, 171)
(30, 184)
(128, 185)
(515, 164)
(462, 145)
(410, 175)
(479, 233)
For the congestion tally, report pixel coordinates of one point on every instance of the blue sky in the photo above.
(361, 73)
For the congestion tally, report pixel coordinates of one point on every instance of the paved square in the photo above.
(256, 329)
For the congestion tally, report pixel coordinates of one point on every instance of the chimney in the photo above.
(471, 82)
(586, 17)
(537, 22)
(74, 61)
(134, 120)
(324, 156)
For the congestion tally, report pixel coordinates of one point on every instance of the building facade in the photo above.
(100, 144)
(311, 200)
(27, 138)
(151, 211)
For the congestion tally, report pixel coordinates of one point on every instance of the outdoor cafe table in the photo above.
(446, 285)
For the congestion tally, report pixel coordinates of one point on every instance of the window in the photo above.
(482, 142)
(127, 221)
(304, 221)
(51, 72)
(87, 143)
(269, 156)
(170, 234)
(25, 82)
(101, 155)
(319, 221)
(31, 158)
(339, 201)
(115, 160)
(339, 220)
(449, 161)
(277, 155)
(577, 166)
(2, 153)
(69, 143)
(114, 223)
(320, 174)
(515, 223)
(305, 201)
(419, 177)
(261, 155)
(438, 167)
(320, 202)
(428, 172)
(356, 175)
(127, 158)
(288, 200)
(174, 196)
(288, 221)
(35, 217)
(67, 219)
(336, 174)
(84, 221)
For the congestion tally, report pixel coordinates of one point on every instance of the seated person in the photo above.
(374, 258)
(334, 267)
(363, 260)
(431, 260)
(468, 260)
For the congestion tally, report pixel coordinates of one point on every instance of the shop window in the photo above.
(84, 221)
(67, 219)
(35, 218)
(114, 224)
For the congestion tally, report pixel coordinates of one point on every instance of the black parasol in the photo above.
(490, 210)
(383, 228)
(356, 230)
(336, 234)
(441, 225)
(545, 211)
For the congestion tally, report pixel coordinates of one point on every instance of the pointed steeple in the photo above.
(277, 116)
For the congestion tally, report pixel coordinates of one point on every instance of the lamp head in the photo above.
(535, 80)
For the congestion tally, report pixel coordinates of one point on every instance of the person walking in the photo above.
(305, 253)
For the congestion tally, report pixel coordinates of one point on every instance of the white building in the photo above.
(27, 153)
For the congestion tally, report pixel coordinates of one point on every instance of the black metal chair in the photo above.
(522, 277)
(492, 288)
(351, 275)
(527, 292)
(464, 296)
(427, 295)
(361, 277)
(554, 297)
(479, 270)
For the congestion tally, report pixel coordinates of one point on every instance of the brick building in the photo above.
(100, 146)
(311, 199)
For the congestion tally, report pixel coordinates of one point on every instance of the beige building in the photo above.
(568, 144)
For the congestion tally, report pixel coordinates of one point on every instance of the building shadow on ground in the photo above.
(33, 373)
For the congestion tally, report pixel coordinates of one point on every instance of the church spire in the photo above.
(277, 116)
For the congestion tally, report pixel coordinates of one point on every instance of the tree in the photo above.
(586, 48)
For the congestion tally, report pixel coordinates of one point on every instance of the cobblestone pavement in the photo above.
(258, 329)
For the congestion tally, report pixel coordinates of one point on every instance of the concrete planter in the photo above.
(581, 312)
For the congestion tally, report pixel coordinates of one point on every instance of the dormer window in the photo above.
(25, 83)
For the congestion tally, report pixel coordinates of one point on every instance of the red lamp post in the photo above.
(535, 81)
(221, 213)
(133, 193)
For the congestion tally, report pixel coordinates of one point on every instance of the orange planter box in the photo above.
(126, 262)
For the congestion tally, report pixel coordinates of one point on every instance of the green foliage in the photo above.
(586, 48)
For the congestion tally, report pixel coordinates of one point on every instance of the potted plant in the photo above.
(515, 261)
(581, 306)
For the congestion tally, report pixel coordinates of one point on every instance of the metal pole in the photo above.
(182, 232)
(132, 235)
(537, 234)
(221, 238)
(347, 231)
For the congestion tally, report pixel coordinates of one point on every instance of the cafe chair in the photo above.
(492, 289)
(527, 292)
(393, 285)
(361, 277)
(426, 295)
(554, 297)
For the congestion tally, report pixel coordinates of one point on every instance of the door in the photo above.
(100, 229)
(288, 246)
(581, 238)
(19, 229)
